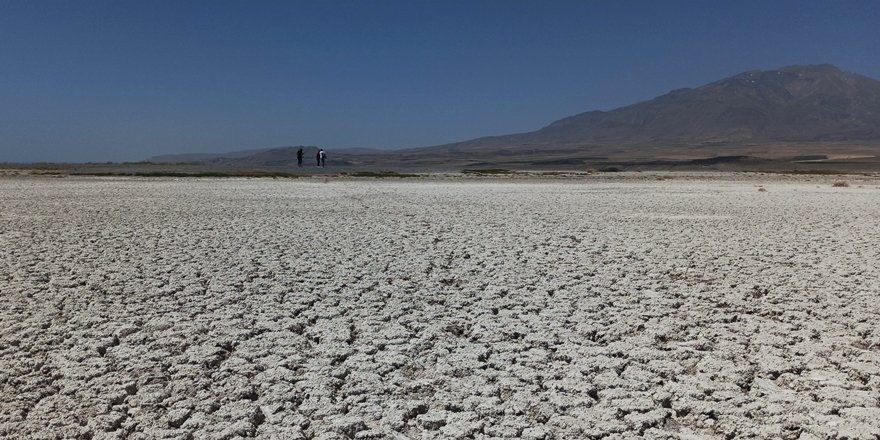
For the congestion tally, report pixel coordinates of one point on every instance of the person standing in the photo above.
(299, 158)
(318, 157)
(322, 156)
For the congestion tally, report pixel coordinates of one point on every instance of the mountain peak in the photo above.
(812, 68)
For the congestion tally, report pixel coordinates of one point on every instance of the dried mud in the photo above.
(151, 308)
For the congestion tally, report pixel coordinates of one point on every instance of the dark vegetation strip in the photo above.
(375, 174)
(181, 174)
(818, 172)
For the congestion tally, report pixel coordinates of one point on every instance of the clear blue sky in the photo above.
(124, 80)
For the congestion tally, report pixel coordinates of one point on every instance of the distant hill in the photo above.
(801, 104)
(263, 157)
(203, 157)
(789, 113)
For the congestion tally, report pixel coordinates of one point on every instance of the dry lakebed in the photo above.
(632, 306)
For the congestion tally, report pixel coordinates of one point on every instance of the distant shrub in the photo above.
(840, 184)
(184, 174)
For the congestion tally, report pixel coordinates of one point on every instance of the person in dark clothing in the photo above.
(323, 157)
(299, 157)
(318, 157)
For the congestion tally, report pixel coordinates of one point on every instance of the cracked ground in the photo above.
(552, 309)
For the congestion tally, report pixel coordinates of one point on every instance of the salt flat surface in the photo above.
(225, 308)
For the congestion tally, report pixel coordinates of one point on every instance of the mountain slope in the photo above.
(791, 104)
(776, 114)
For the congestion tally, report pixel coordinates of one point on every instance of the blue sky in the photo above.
(124, 80)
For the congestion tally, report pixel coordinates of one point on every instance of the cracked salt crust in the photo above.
(617, 308)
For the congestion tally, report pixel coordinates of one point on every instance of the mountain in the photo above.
(784, 114)
(796, 104)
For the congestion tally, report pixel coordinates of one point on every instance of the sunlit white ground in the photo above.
(566, 309)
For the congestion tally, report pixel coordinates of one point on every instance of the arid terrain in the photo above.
(612, 306)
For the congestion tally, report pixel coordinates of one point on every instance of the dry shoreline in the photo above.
(617, 305)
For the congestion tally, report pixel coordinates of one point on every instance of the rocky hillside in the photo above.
(792, 104)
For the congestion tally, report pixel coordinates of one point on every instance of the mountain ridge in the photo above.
(811, 103)
(786, 112)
